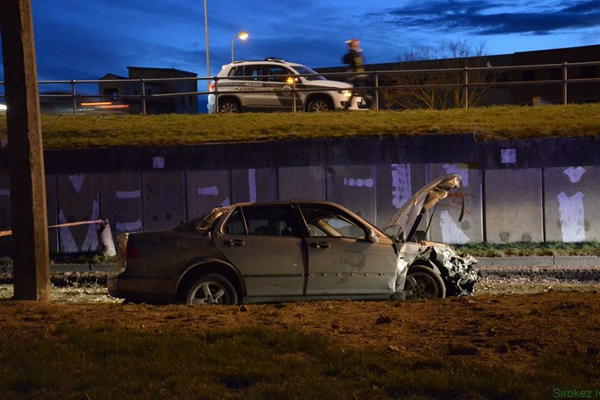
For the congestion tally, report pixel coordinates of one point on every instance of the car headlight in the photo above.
(345, 93)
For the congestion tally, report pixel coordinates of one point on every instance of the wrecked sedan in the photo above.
(260, 252)
(435, 269)
(296, 250)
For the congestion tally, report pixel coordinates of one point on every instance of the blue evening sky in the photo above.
(87, 39)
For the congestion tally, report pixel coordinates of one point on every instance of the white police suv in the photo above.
(276, 85)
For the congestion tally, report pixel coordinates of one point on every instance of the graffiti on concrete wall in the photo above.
(571, 209)
(357, 182)
(128, 226)
(252, 184)
(213, 191)
(68, 243)
(401, 184)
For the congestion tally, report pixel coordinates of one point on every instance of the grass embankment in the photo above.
(68, 131)
(528, 249)
(461, 349)
(250, 363)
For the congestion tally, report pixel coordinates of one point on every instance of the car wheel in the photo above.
(229, 106)
(211, 289)
(319, 104)
(424, 283)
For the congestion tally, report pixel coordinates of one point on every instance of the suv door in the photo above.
(247, 84)
(341, 258)
(262, 241)
(280, 97)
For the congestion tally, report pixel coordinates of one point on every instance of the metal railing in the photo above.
(380, 82)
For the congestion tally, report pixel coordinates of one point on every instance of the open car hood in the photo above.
(404, 223)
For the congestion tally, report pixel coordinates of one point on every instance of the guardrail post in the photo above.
(143, 97)
(294, 96)
(466, 88)
(216, 92)
(376, 91)
(565, 83)
(74, 97)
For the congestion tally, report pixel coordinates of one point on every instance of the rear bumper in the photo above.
(140, 288)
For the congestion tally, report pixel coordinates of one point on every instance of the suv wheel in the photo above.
(319, 104)
(228, 106)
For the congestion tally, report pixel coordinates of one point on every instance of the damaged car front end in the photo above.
(435, 270)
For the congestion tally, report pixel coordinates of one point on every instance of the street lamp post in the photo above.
(207, 49)
(243, 36)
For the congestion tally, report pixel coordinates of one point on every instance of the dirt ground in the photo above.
(509, 320)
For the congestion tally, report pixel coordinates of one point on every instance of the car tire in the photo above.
(229, 106)
(318, 104)
(424, 283)
(210, 289)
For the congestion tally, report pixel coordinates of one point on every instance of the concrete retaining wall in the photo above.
(526, 190)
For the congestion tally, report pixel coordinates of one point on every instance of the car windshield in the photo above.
(303, 70)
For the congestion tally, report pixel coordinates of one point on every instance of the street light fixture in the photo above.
(243, 36)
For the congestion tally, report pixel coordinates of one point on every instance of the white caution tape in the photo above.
(96, 221)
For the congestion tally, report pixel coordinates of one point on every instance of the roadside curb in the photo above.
(561, 268)
(549, 261)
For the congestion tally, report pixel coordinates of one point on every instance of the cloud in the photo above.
(86, 40)
(493, 18)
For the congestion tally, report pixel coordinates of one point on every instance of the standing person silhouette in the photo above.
(354, 58)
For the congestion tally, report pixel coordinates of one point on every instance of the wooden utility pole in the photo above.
(31, 262)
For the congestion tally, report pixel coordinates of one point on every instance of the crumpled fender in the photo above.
(458, 272)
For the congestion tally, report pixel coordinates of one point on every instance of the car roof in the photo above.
(268, 60)
(304, 201)
(293, 201)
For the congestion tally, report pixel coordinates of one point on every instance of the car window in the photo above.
(236, 72)
(254, 72)
(274, 220)
(235, 225)
(326, 221)
(248, 72)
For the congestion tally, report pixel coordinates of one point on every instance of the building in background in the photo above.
(166, 90)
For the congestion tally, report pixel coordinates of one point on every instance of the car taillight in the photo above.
(131, 251)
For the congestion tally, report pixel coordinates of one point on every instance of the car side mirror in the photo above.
(372, 236)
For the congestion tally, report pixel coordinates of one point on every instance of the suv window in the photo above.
(249, 72)
(305, 70)
(279, 70)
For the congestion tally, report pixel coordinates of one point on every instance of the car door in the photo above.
(245, 82)
(262, 242)
(254, 89)
(341, 258)
(280, 96)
